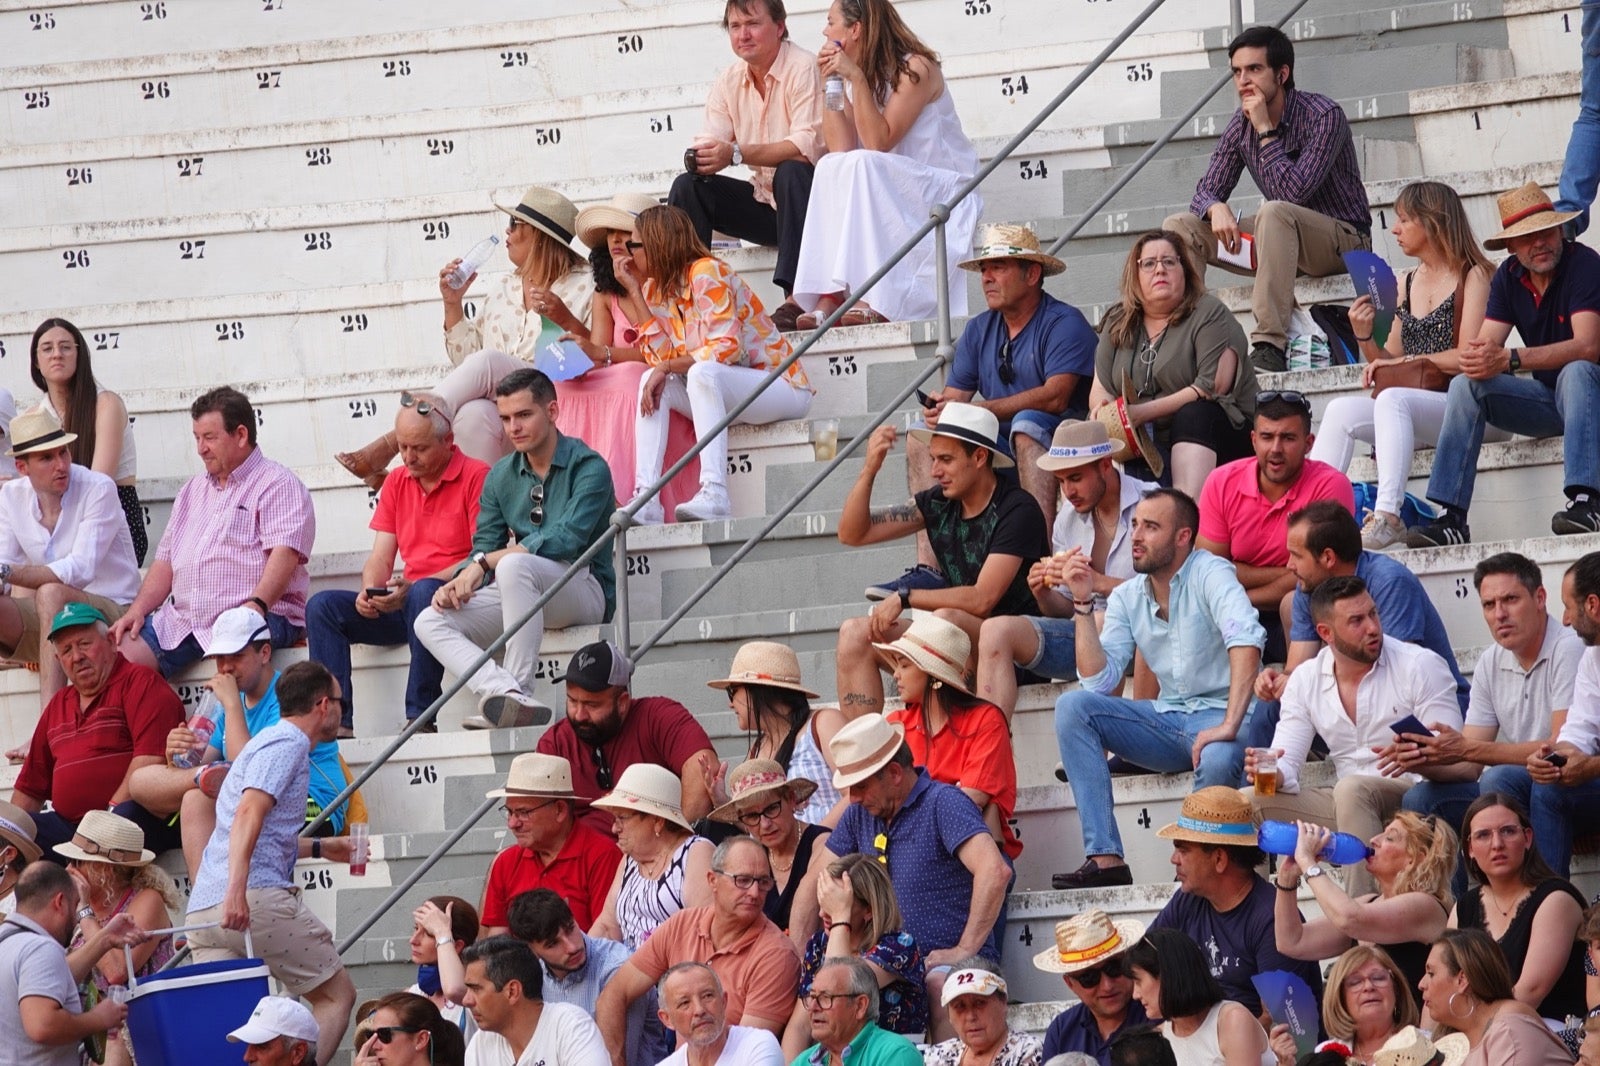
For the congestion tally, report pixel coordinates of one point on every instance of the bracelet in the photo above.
(1362, 340)
(444, 941)
(85, 912)
(1083, 610)
(608, 355)
(834, 925)
(1287, 888)
(261, 603)
(316, 848)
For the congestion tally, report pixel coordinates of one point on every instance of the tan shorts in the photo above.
(27, 649)
(293, 942)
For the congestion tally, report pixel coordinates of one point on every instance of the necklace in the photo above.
(1149, 348)
(1505, 912)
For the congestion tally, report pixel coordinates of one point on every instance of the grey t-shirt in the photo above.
(33, 963)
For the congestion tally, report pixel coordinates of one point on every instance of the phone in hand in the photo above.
(690, 162)
(1410, 724)
(373, 594)
(1555, 758)
(927, 401)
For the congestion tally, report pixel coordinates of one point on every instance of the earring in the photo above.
(1451, 1003)
(938, 685)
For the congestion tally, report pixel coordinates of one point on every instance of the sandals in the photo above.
(371, 463)
(859, 315)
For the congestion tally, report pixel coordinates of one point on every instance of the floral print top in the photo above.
(721, 319)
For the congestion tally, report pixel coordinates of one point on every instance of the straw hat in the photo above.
(1008, 241)
(109, 838)
(764, 662)
(1121, 430)
(1077, 444)
(757, 777)
(863, 747)
(537, 776)
(971, 423)
(37, 431)
(1411, 1047)
(619, 214)
(547, 211)
(1215, 815)
(1086, 940)
(646, 788)
(18, 830)
(938, 648)
(1523, 211)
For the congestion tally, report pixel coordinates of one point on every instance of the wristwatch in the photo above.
(1516, 360)
(905, 599)
(482, 559)
(1314, 870)
(85, 913)
(738, 155)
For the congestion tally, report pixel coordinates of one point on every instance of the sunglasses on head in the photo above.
(1289, 396)
(424, 407)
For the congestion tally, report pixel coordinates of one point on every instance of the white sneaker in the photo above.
(1381, 533)
(651, 514)
(509, 710)
(710, 503)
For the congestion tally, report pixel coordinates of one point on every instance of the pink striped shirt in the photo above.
(218, 540)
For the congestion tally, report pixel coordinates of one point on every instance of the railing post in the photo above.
(941, 262)
(619, 619)
(1236, 19)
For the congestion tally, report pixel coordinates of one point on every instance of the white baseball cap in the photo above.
(277, 1016)
(236, 629)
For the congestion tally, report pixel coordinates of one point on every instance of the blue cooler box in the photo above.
(182, 1016)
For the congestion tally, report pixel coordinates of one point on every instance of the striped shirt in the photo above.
(1312, 162)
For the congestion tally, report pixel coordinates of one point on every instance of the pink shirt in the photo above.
(791, 110)
(1252, 529)
(218, 540)
(434, 529)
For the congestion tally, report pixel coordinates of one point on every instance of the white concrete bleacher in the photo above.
(323, 337)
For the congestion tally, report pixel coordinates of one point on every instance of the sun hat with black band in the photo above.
(546, 210)
(37, 431)
(971, 423)
(595, 221)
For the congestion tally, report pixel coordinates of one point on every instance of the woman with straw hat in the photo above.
(115, 873)
(958, 738)
(547, 293)
(17, 847)
(774, 710)
(763, 801)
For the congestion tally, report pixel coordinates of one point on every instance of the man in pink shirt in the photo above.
(239, 536)
(764, 113)
(1246, 504)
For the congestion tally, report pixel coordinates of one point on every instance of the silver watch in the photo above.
(1314, 870)
(738, 155)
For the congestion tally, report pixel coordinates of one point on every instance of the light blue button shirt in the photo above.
(1208, 613)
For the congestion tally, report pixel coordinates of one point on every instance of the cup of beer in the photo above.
(1266, 772)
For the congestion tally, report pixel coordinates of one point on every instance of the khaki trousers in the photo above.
(1358, 805)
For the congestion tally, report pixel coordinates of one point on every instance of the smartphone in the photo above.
(1410, 724)
(1555, 758)
(373, 594)
(927, 401)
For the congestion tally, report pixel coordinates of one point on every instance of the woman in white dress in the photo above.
(895, 150)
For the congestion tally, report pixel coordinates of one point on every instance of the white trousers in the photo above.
(458, 637)
(705, 394)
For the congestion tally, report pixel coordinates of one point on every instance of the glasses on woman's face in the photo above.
(633, 246)
(1508, 832)
(770, 812)
(1377, 979)
(387, 1033)
(1151, 264)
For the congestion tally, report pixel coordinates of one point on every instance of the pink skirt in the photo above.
(602, 410)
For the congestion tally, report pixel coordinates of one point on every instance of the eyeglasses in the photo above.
(1008, 373)
(523, 812)
(1378, 979)
(387, 1033)
(602, 770)
(1288, 396)
(1506, 832)
(1165, 262)
(424, 407)
(536, 497)
(1090, 978)
(825, 1000)
(745, 882)
(633, 246)
(770, 812)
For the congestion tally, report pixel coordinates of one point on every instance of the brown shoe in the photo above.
(371, 463)
(786, 316)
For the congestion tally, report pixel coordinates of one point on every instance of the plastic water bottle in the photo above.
(1279, 838)
(833, 93)
(475, 258)
(202, 724)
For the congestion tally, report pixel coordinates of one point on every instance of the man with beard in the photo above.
(607, 730)
(694, 1006)
(1189, 617)
(1565, 790)
(1351, 695)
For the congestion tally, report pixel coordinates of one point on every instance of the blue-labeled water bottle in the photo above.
(203, 723)
(1342, 849)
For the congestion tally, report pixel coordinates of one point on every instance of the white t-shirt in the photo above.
(745, 1047)
(566, 1036)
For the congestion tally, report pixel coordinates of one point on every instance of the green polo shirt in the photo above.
(578, 502)
(871, 1047)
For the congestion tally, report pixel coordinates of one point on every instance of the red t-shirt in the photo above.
(657, 730)
(580, 874)
(973, 750)
(1254, 529)
(434, 529)
(78, 761)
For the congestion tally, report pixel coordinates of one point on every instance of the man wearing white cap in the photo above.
(280, 1032)
(986, 533)
(59, 536)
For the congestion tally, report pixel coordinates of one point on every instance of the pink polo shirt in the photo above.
(1252, 529)
(434, 529)
(789, 109)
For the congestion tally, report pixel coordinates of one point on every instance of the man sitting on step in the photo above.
(552, 497)
(1088, 953)
(505, 993)
(1300, 153)
(985, 531)
(1548, 290)
(1187, 614)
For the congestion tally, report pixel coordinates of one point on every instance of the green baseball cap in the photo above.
(75, 614)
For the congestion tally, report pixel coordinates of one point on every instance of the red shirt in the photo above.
(435, 528)
(1252, 529)
(973, 750)
(657, 730)
(78, 761)
(581, 874)
(760, 971)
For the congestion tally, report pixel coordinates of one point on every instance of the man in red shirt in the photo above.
(553, 849)
(112, 718)
(607, 730)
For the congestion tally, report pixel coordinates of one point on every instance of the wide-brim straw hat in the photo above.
(37, 431)
(1523, 211)
(645, 788)
(764, 662)
(863, 747)
(1008, 241)
(971, 423)
(1086, 940)
(535, 775)
(1411, 1047)
(1077, 443)
(937, 647)
(755, 778)
(619, 214)
(547, 211)
(1130, 441)
(1215, 815)
(18, 830)
(109, 838)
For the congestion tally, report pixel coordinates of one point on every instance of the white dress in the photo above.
(864, 204)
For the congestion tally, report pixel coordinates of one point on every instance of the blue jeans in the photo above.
(332, 625)
(1554, 810)
(1521, 405)
(1087, 722)
(1580, 173)
(169, 661)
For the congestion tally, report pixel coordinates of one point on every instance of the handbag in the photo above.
(1421, 373)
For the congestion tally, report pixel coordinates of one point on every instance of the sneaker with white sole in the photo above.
(1381, 532)
(651, 514)
(709, 504)
(509, 710)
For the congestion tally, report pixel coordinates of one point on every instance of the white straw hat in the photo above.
(863, 747)
(939, 648)
(537, 776)
(645, 788)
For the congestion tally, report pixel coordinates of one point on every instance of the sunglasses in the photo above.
(536, 497)
(387, 1033)
(633, 246)
(1090, 978)
(1289, 396)
(1008, 372)
(602, 771)
(424, 407)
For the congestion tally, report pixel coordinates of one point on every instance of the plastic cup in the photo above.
(1266, 772)
(360, 841)
(825, 439)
